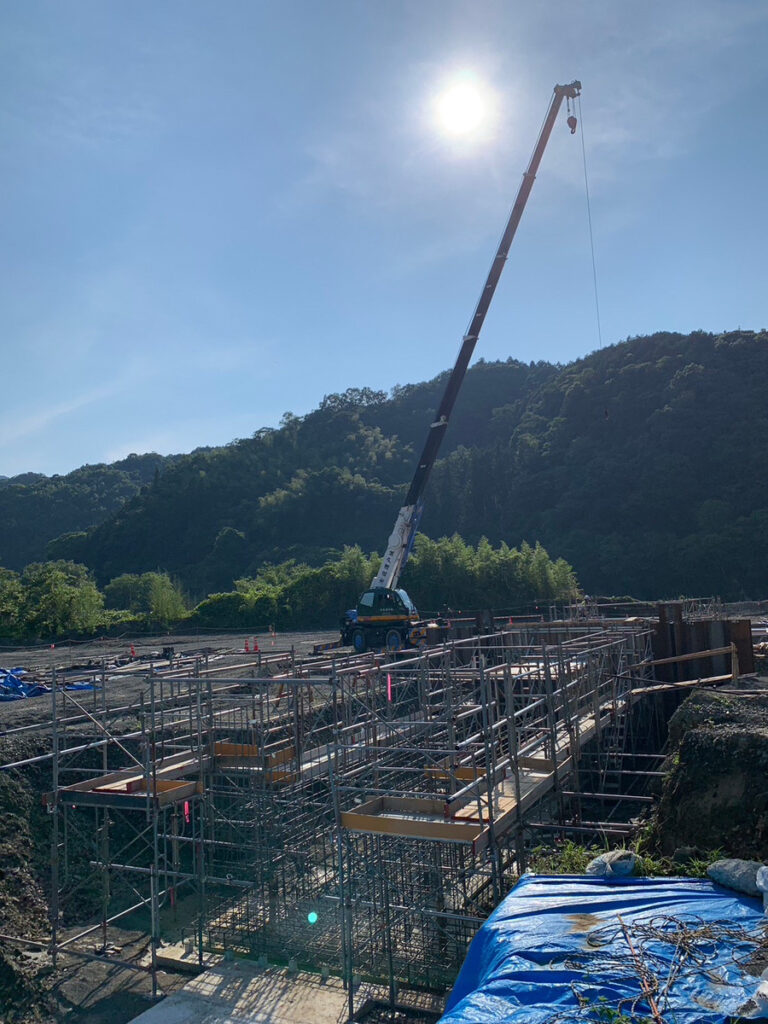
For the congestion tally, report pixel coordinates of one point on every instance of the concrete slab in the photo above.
(238, 990)
(174, 957)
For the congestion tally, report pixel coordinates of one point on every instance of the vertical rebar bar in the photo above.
(153, 802)
(54, 808)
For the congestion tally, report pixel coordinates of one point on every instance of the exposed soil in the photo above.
(95, 993)
(716, 795)
(378, 1014)
(124, 685)
(23, 900)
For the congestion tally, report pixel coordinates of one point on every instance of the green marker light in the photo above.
(312, 917)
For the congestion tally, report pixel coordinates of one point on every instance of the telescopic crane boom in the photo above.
(401, 540)
(384, 614)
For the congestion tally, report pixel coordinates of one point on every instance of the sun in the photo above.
(464, 107)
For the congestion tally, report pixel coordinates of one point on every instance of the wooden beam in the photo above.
(390, 816)
(684, 684)
(695, 656)
(460, 774)
(539, 764)
(414, 828)
(241, 751)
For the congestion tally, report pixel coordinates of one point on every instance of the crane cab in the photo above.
(382, 618)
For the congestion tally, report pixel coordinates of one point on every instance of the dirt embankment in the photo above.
(716, 794)
(82, 991)
(24, 863)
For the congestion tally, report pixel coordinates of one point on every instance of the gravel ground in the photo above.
(123, 687)
(97, 993)
(68, 654)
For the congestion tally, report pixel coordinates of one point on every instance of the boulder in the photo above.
(615, 863)
(733, 873)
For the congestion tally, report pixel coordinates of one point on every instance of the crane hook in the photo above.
(572, 124)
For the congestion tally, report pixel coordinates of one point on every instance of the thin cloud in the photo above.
(23, 427)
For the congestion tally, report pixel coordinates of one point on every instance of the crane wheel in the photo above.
(393, 641)
(359, 640)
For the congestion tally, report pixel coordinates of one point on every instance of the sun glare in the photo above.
(464, 108)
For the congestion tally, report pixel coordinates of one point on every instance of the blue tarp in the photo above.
(554, 949)
(13, 687)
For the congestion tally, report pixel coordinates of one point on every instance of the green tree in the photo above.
(450, 571)
(645, 464)
(11, 594)
(58, 597)
(152, 594)
(127, 592)
(166, 602)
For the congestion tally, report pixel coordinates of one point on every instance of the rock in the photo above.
(614, 864)
(685, 854)
(733, 873)
(762, 884)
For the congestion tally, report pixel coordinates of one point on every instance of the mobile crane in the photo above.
(385, 615)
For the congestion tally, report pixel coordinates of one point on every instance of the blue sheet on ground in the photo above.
(13, 687)
(554, 947)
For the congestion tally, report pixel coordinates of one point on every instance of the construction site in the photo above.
(318, 831)
(349, 816)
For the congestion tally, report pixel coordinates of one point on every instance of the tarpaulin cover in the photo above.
(13, 687)
(555, 947)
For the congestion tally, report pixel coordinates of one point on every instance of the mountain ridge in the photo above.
(644, 464)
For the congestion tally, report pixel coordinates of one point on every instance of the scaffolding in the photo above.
(355, 816)
(435, 777)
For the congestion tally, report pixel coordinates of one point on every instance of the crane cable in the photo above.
(591, 237)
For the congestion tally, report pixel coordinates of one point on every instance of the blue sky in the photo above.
(214, 213)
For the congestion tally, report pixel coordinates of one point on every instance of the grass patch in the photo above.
(570, 858)
(566, 858)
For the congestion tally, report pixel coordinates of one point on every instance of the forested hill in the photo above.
(35, 508)
(645, 465)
